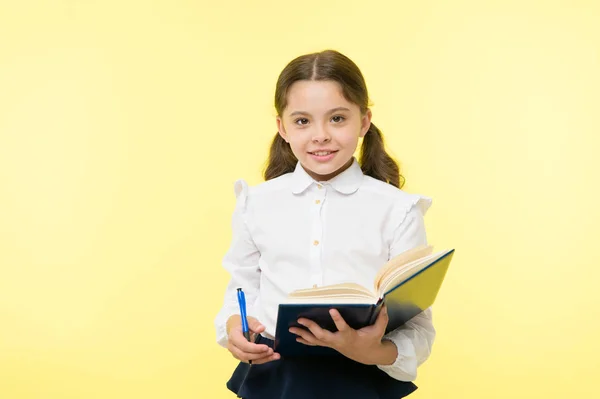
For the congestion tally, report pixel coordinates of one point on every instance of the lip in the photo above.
(321, 150)
(323, 158)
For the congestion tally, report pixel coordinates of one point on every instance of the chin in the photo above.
(325, 169)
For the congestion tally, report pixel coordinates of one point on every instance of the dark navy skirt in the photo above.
(328, 377)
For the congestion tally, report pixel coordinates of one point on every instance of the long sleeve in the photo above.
(241, 261)
(414, 340)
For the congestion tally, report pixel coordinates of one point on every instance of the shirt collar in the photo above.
(346, 182)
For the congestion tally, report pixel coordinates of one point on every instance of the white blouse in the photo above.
(292, 232)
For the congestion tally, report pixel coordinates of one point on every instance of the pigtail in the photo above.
(281, 159)
(376, 162)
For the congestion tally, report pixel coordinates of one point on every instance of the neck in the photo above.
(331, 175)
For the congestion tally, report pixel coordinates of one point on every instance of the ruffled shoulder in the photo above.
(240, 188)
(409, 202)
(420, 201)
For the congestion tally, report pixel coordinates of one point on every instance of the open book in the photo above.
(407, 284)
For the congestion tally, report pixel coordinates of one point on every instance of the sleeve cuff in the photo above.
(404, 367)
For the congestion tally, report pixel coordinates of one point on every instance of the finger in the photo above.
(239, 341)
(319, 333)
(234, 351)
(255, 325)
(305, 342)
(382, 319)
(266, 359)
(305, 335)
(339, 321)
(246, 356)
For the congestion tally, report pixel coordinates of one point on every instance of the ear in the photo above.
(281, 129)
(365, 123)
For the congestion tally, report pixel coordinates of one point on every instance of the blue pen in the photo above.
(242, 302)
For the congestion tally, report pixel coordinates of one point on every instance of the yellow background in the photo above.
(123, 125)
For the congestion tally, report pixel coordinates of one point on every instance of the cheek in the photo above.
(299, 137)
(294, 140)
(348, 138)
(298, 144)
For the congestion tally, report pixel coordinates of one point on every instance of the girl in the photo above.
(322, 217)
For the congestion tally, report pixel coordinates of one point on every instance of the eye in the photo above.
(338, 119)
(301, 121)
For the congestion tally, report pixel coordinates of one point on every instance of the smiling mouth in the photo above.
(322, 153)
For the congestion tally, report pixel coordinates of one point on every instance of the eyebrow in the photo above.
(331, 111)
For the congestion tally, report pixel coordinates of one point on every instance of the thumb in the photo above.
(382, 319)
(255, 325)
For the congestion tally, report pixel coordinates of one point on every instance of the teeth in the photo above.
(322, 153)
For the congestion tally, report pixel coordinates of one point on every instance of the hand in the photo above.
(243, 350)
(364, 345)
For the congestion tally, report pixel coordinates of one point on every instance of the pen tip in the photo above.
(239, 289)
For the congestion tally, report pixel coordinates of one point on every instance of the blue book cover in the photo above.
(407, 287)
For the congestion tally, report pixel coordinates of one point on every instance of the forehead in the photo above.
(316, 96)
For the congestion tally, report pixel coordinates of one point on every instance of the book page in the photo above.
(333, 300)
(400, 275)
(345, 292)
(400, 262)
(334, 289)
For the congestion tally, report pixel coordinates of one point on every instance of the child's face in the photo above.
(322, 127)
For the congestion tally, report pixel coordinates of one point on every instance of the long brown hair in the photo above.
(331, 65)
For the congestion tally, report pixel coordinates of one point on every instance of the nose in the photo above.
(321, 135)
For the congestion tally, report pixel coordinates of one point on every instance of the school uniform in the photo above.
(293, 232)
